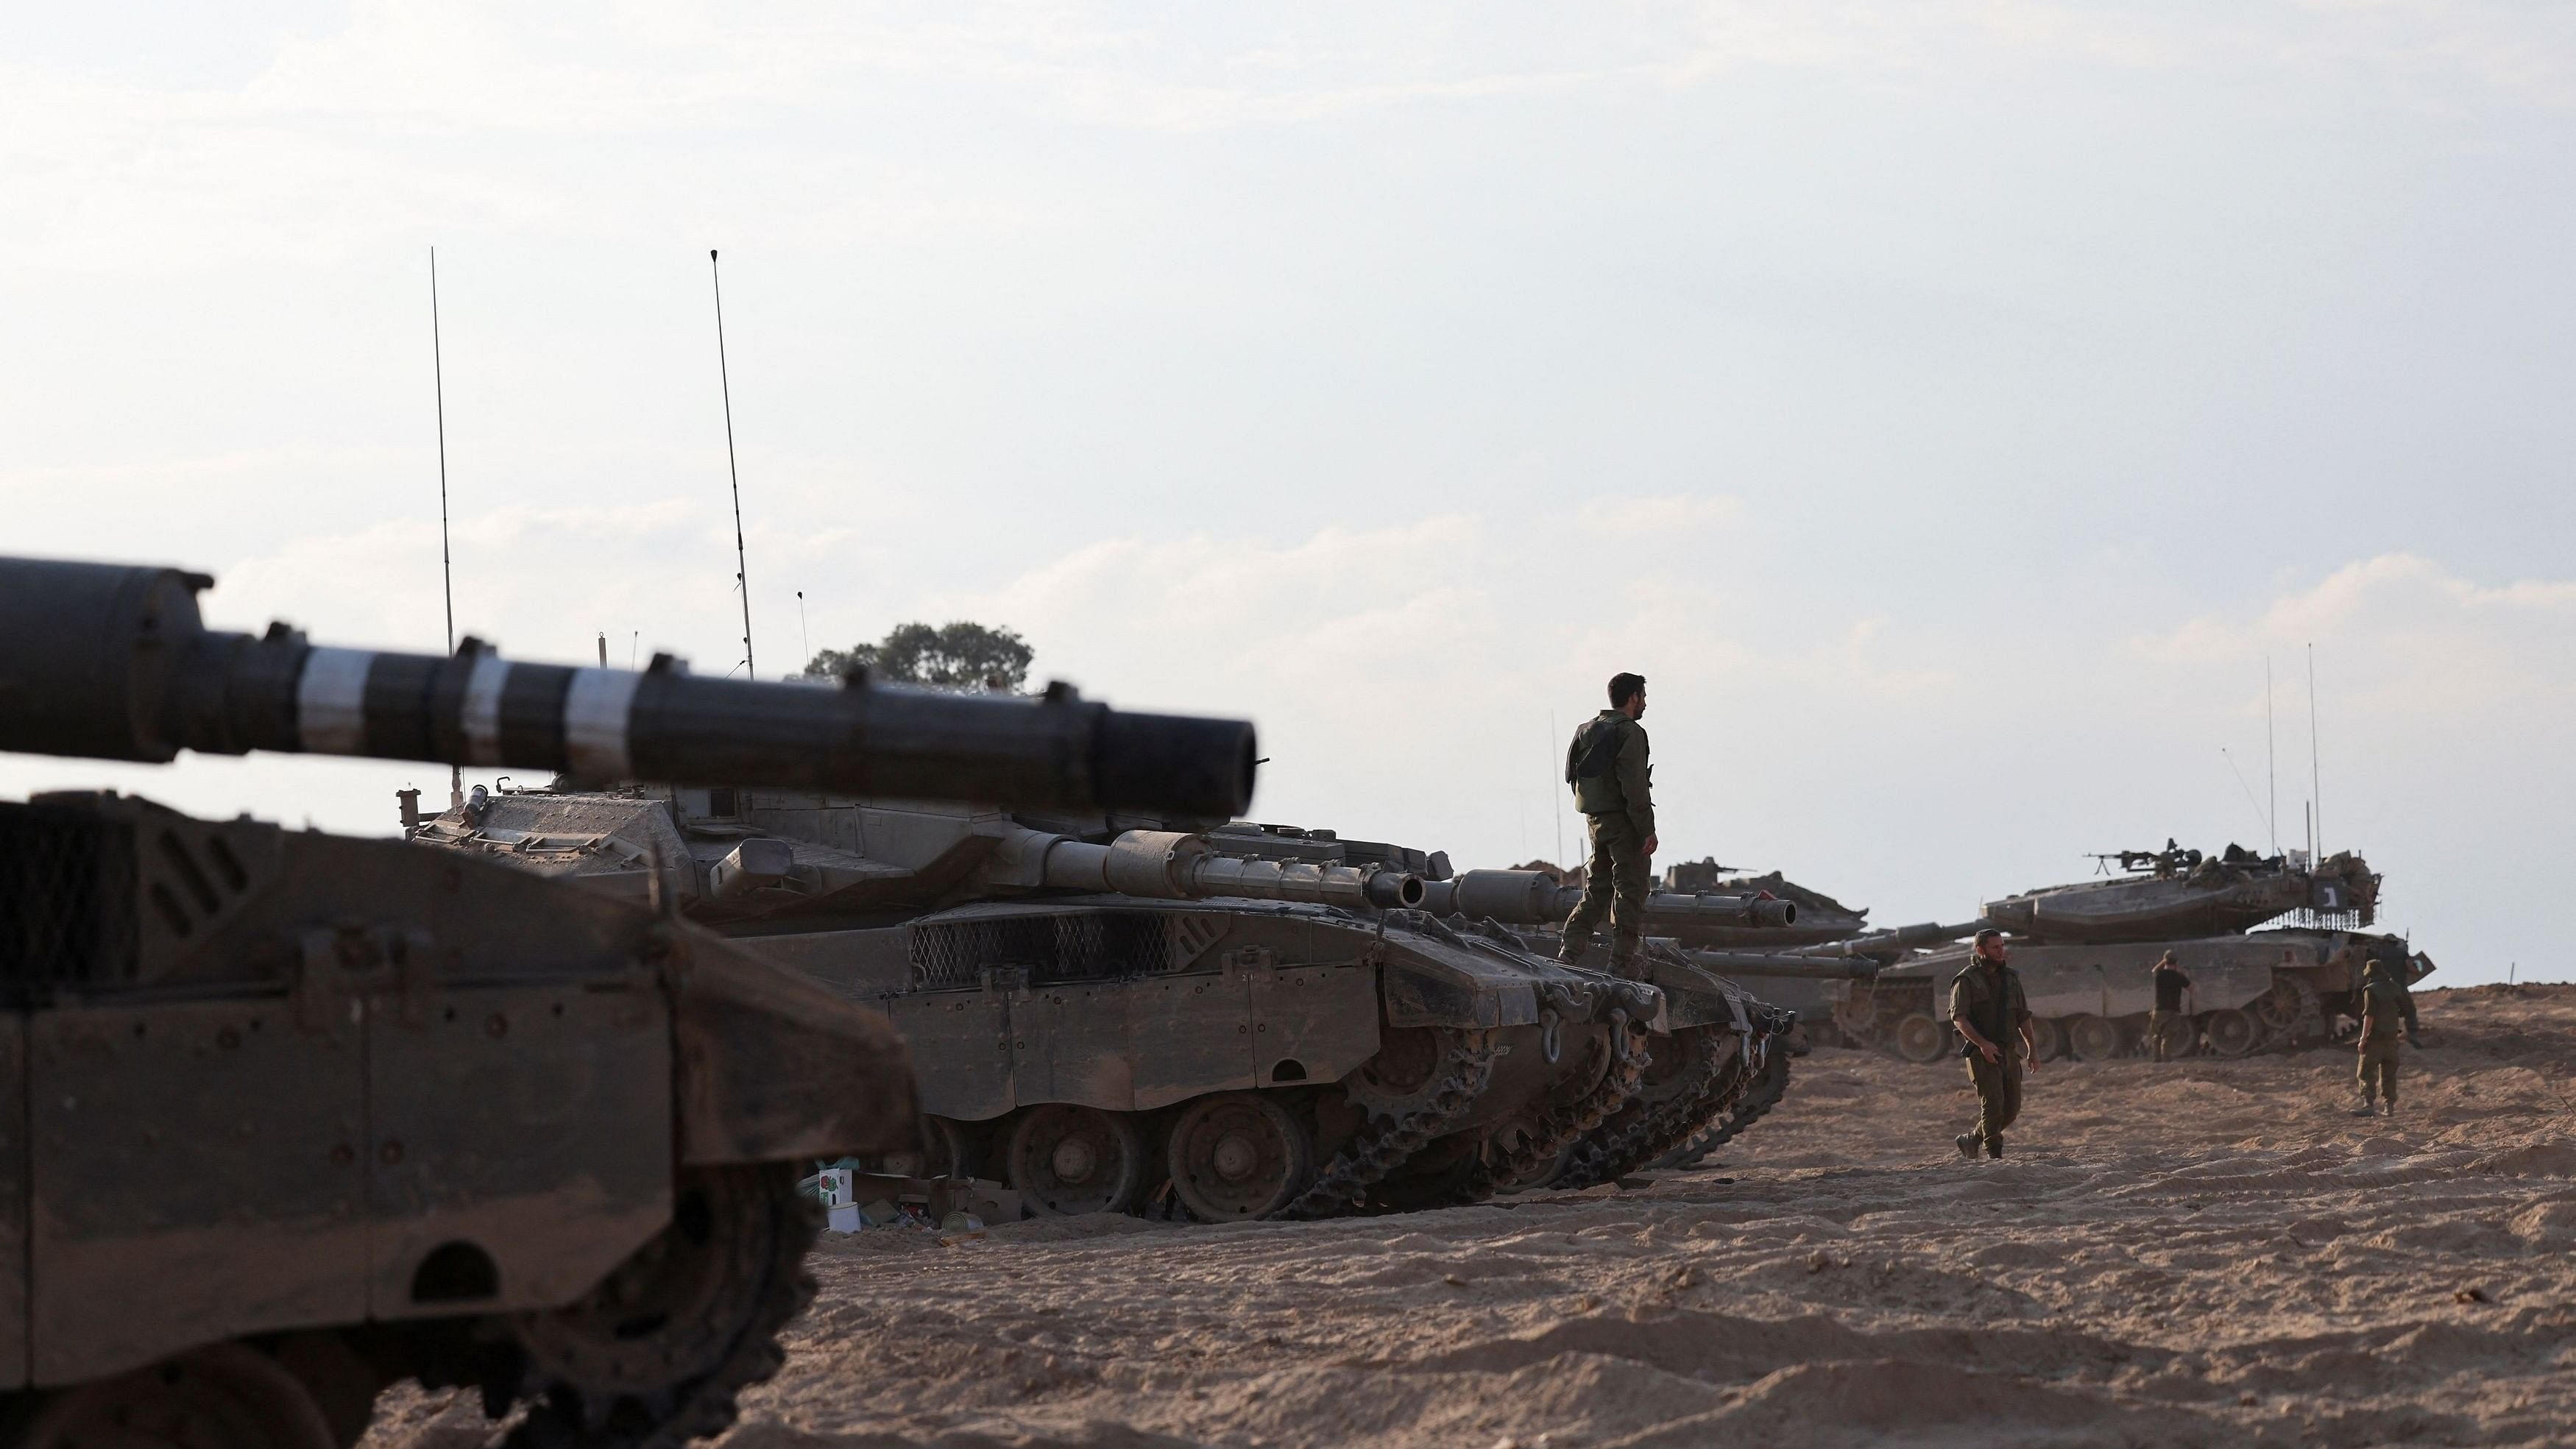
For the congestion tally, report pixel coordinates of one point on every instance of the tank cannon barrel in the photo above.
(111, 661)
(1171, 865)
(1710, 908)
(1799, 965)
(1890, 944)
(1534, 898)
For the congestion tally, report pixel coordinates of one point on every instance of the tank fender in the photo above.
(1421, 991)
(772, 1067)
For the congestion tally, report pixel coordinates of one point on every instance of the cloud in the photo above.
(480, 118)
(2401, 638)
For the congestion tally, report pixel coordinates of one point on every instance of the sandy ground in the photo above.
(2199, 1253)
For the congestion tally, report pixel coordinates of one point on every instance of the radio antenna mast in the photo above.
(2271, 775)
(741, 566)
(1556, 792)
(446, 563)
(2315, 790)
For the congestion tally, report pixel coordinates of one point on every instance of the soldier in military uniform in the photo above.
(1988, 1008)
(1614, 788)
(2176, 1000)
(2383, 1013)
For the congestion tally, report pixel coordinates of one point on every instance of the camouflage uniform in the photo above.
(1614, 788)
(2170, 983)
(1991, 999)
(2385, 1004)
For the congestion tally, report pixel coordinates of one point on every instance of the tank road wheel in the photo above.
(654, 1356)
(950, 1149)
(2093, 1038)
(2232, 1033)
(1921, 1039)
(1239, 1155)
(229, 1396)
(1067, 1159)
(2180, 1037)
(2047, 1042)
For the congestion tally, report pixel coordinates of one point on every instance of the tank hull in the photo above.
(1137, 1012)
(395, 1111)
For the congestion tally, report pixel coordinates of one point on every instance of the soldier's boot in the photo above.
(1624, 951)
(1966, 1142)
(2388, 1108)
(1571, 949)
(1995, 1149)
(2367, 1107)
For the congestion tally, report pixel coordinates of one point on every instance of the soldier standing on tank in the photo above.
(1988, 1008)
(2175, 998)
(1614, 788)
(2383, 1013)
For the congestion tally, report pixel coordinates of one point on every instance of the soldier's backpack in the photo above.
(1595, 749)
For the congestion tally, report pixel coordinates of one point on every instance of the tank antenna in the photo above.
(446, 563)
(741, 566)
(803, 633)
(1555, 790)
(2248, 789)
(2316, 791)
(2271, 774)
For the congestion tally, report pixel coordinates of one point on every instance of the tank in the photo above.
(287, 1116)
(2274, 948)
(1122, 1013)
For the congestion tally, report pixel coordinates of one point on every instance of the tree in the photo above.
(957, 655)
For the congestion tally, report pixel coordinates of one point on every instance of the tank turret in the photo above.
(1535, 898)
(1820, 916)
(2173, 893)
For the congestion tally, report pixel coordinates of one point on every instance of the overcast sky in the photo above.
(1949, 407)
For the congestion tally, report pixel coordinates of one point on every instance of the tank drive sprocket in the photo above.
(656, 1355)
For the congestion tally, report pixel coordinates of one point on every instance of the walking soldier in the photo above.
(1993, 1017)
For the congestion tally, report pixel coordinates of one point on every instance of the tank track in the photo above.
(1766, 1093)
(1384, 1144)
(1652, 1134)
(1558, 1131)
